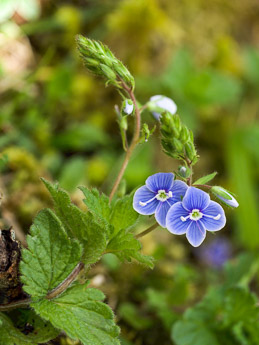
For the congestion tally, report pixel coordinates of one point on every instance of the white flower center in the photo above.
(161, 195)
(196, 214)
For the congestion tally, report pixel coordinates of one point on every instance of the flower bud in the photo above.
(184, 135)
(108, 72)
(177, 145)
(190, 150)
(158, 104)
(225, 196)
(98, 58)
(184, 171)
(127, 107)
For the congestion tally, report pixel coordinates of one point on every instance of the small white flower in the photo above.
(157, 104)
(128, 107)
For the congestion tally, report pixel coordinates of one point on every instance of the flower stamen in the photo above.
(183, 219)
(147, 202)
(161, 195)
(213, 217)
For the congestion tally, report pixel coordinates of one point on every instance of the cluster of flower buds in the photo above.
(177, 139)
(100, 60)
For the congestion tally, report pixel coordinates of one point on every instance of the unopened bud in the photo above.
(158, 104)
(108, 72)
(225, 196)
(127, 107)
(190, 150)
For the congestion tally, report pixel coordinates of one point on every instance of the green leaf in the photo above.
(131, 314)
(126, 247)
(240, 307)
(193, 333)
(120, 215)
(205, 179)
(79, 224)
(41, 332)
(123, 215)
(242, 270)
(97, 204)
(80, 312)
(51, 255)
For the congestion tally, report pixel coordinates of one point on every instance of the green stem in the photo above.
(147, 231)
(52, 294)
(133, 144)
(203, 185)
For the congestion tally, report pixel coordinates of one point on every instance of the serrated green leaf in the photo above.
(80, 312)
(242, 270)
(119, 215)
(123, 216)
(193, 333)
(51, 255)
(205, 179)
(240, 307)
(126, 247)
(41, 333)
(79, 224)
(97, 204)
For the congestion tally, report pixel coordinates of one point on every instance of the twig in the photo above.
(65, 284)
(52, 294)
(202, 185)
(147, 231)
(134, 141)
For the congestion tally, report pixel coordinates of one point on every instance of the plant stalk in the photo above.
(134, 141)
(52, 294)
(147, 231)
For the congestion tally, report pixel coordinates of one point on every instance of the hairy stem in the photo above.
(147, 231)
(23, 303)
(52, 294)
(66, 283)
(189, 179)
(203, 185)
(133, 144)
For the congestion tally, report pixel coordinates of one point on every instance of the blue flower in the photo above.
(215, 253)
(194, 215)
(158, 195)
(158, 104)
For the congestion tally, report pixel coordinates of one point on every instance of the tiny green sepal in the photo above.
(146, 133)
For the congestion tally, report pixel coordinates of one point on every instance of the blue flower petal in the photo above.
(142, 195)
(213, 210)
(160, 181)
(161, 213)
(178, 189)
(196, 199)
(196, 233)
(174, 224)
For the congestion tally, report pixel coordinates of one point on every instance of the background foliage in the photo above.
(57, 121)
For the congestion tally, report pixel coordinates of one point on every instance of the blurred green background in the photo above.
(58, 121)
